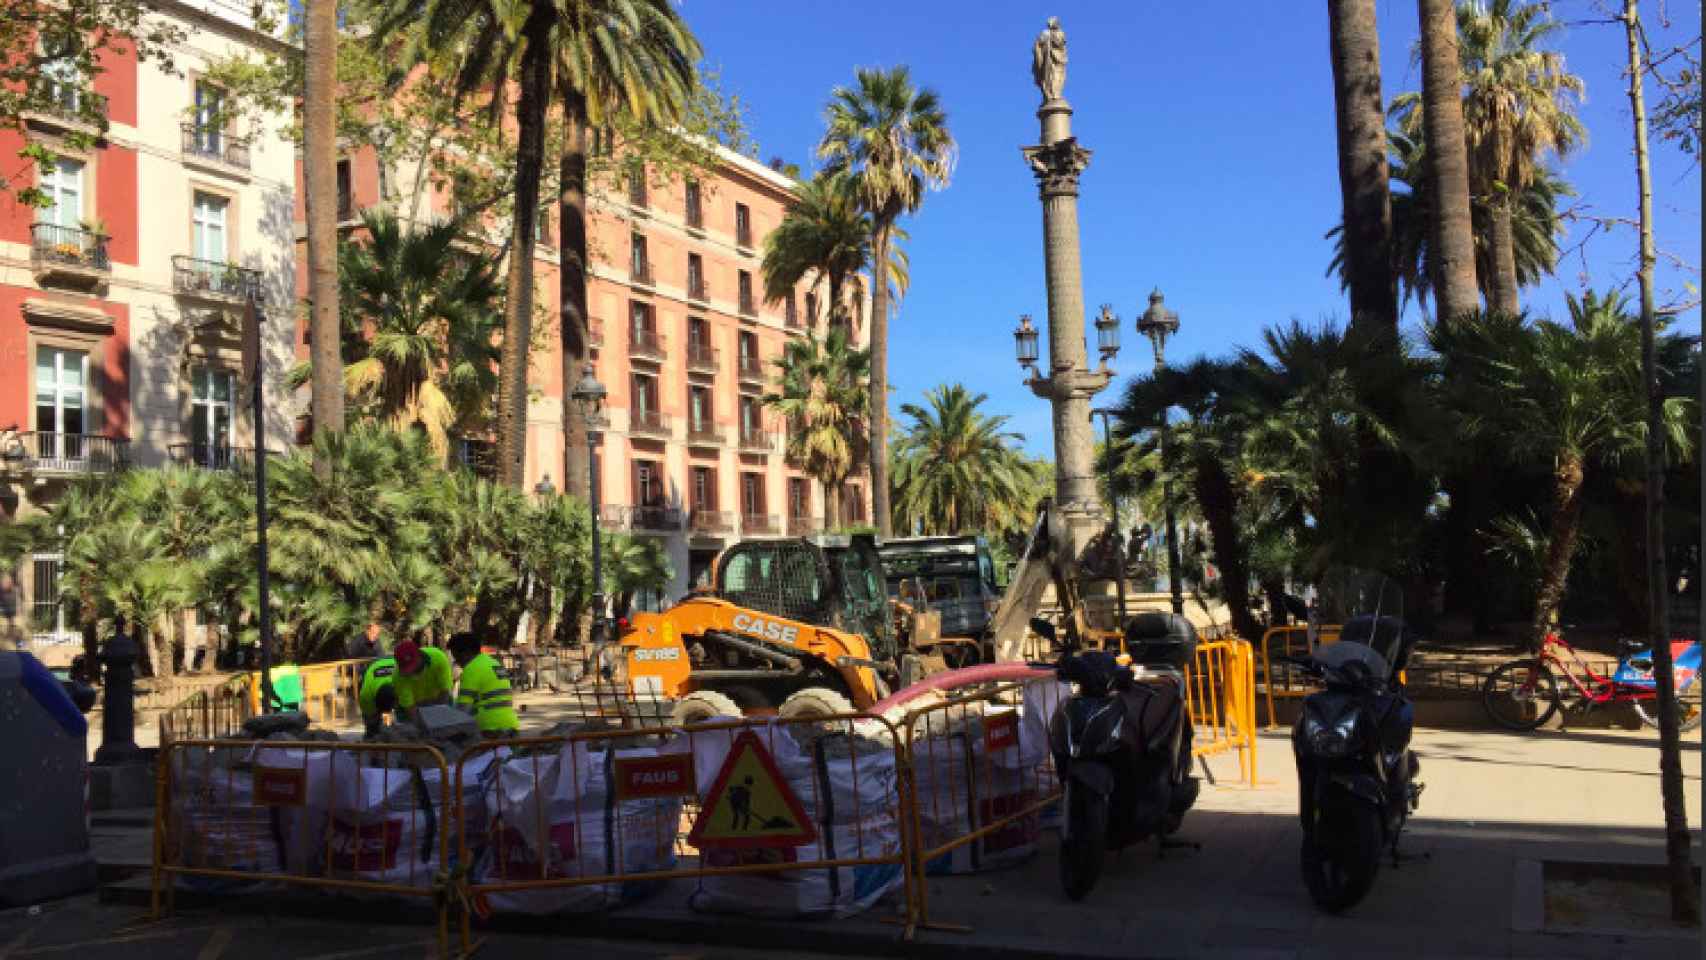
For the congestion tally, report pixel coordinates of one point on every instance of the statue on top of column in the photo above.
(1048, 60)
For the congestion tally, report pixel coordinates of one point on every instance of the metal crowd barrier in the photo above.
(1287, 681)
(1220, 692)
(214, 712)
(303, 813)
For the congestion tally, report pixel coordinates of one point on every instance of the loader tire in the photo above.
(814, 702)
(701, 706)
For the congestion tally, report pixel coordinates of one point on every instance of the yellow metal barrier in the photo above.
(1220, 692)
(305, 813)
(597, 810)
(215, 712)
(1294, 641)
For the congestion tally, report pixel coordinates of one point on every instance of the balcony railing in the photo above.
(213, 279)
(757, 441)
(648, 423)
(66, 454)
(655, 518)
(704, 434)
(214, 144)
(804, 526)
(701, 358)
(762, 524)
(751, 368)
(748, 306)
(640, 274)
(66, 101)
(645, 345)
(743, 237)
(213, 456)
(70, 250)
(696, 290)
(712, 521)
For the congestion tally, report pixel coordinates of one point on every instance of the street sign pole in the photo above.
(254, 366)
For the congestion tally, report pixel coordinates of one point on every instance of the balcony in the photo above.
(213, 280)
(65, 454)
(207, 143)
(748, 306)
(68, 255)
(757, 441)
(704, 434)
(654, 518)
(696, 290)
(648, 423)
(66, 107)
(804, 526)
(640, 275)
(761, 525)
(750, 369)
(696, 218)
(712, 521)
(646, 345)
(743, 239)
(209, 456)
(701, 358)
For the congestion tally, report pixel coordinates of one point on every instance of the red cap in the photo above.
(408, 654)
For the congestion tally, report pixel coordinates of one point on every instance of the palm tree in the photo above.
(1569, 395)
(634, 564)
(319, 173)
(822, 394)
(1367, 208)
(892, 141)
(825, 238)
(1518, 106)
(429, 315)
(628, 58)
(1452, 232)
(957, 468)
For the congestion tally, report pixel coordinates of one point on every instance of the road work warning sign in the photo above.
(750, 805)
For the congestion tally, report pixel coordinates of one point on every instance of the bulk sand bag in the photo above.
(385, 824)
(557, 817)
(242, 808)
(845, 788)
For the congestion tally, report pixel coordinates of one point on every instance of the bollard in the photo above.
(118, 717)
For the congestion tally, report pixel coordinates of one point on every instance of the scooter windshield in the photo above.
(1369, 608)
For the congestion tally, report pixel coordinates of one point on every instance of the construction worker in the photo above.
(485, 690)
(423, 677)
(376, 680)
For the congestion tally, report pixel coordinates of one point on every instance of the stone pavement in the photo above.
(1495, 806)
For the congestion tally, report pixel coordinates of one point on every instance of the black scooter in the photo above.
(1356, 773)
(1122, 746)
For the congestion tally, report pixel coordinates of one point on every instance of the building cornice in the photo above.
(178, 9)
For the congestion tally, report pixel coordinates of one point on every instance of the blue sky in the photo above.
(1214, 174)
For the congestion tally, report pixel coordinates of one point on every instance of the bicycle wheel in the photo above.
(1520, 695)
(1688, 701)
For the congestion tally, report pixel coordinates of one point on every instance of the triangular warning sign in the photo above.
(750, 805)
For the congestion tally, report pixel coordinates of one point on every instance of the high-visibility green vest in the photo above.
(432, 682)
(485, 693)
(378, 675)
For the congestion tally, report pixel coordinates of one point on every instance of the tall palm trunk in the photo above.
(320, 174)
(518, 307)
(1503, 291)
(1683, 906)
(831, 506)
(880, 376)
(576, 339)
(1219, 501)
(1453, 232)
(1567, 479)
(1362, 165)
(836, 307)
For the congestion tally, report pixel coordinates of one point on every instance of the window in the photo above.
(648, 484)
(346, 194)
(63, 184)
(209, 119)
(695, 276)
(811, 308)
(698, 409)
(750, 365)
(47, 612)
(746, 302)
(541, 223)
(752, 494)
(743, 225)
(210, 411)
(793, 313)
(209, 216)
(751, 418)
(62, 378)
(63, 78)
(640, 321)
(645, 395)
(698, 334)
(852, 504)
(695, 208)
(704, 490)
(799, 498)
(637, 187)
(637, 262)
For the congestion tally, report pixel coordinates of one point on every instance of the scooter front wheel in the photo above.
(1340, 862)
(1083, 843)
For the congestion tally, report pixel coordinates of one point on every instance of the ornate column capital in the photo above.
(1057, 166)
(1071, 384)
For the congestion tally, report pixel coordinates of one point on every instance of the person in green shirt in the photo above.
(484, 690)
(423, 677)
(377, 695)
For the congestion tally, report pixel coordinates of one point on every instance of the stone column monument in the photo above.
(1070, 383)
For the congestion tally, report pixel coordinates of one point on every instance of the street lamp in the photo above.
(589, 396)
(1113, 494)
(1158, 323)
(1107, 337)
(544, 487)
(1025, 346)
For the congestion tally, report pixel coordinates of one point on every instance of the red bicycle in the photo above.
(1523, 694)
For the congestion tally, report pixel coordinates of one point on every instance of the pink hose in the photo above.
(965, 676)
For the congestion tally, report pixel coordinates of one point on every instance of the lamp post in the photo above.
(544, 488)
(1113, 502)
(589, 394)
(1158, 323)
